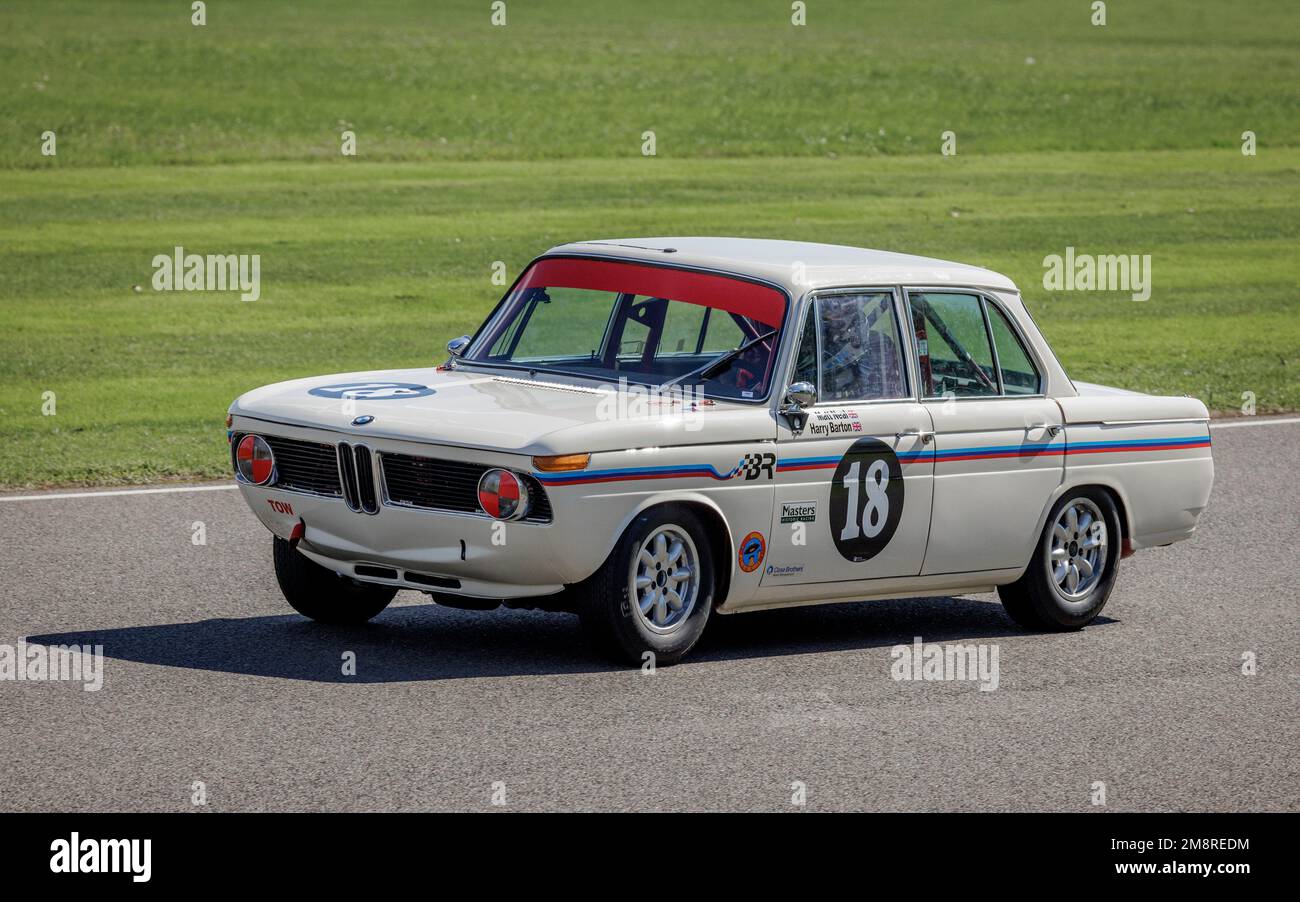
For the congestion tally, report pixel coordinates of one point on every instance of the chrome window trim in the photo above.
(993, 344)
(810, 306)
(1143, 422)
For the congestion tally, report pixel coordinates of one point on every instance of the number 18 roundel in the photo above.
(866, 500)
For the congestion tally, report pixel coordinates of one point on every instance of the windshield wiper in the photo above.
(719, 364)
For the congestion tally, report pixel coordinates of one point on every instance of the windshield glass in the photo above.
(647, 324)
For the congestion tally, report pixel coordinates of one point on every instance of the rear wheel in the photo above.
(323, 595)
(654, 592)
(1074, 566)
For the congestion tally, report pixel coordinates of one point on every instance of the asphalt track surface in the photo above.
(209, 678)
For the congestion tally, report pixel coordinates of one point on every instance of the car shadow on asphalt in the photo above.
(419, 642)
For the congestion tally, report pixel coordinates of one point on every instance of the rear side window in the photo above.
(967, 348)
(953, 346)
(1019, 375)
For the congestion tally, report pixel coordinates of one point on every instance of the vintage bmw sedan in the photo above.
(653, 432)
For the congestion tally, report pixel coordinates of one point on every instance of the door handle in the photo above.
(1053, 429)
(926, 437)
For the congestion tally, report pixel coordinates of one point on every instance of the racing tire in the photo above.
(323, 595)
(1074, 567)
(654, 593)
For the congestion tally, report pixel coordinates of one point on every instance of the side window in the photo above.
(861, 355)
(953, 346)
(1019, 376)
(805, 362)
(637, 318)
(682, 324)
(558, 325)
(721, 333)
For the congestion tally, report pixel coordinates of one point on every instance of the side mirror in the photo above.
(798, 397)
(456, 347)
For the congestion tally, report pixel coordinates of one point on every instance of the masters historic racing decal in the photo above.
(866, 500)
(798, 511)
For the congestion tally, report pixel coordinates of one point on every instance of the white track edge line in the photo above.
(1247, 421)
(52, 496)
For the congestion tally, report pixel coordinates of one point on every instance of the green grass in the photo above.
(480, 144)
(135, 82)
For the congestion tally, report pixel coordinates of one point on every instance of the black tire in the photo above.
(1036, 602)
(610, 613)
(323, 595)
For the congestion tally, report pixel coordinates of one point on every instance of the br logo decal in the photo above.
(866, 500)
(752, 549)
(753, 466)
(372, 391)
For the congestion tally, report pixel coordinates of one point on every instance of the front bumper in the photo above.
(426, 550)
(422, 548)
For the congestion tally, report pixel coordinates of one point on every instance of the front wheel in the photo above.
(654, 592)
(1074, 566)
(322, 594)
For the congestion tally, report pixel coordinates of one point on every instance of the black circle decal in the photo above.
(866, 500)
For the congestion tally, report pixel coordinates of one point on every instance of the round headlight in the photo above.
(255, 460)
(502, 495)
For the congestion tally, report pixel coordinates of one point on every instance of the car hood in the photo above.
(495, 410)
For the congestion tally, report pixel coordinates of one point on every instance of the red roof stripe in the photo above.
(759, 302)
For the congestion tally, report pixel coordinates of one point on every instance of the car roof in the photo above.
(795, 265)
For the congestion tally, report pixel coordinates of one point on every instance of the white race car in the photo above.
(650, 432)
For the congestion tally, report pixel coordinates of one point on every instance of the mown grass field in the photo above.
(479, 144)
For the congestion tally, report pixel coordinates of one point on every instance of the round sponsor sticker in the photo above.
(752, 549)
(372, 391)
(866, 500)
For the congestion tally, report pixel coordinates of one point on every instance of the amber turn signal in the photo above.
(557, 463)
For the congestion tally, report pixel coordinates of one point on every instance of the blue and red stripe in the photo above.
(684, 471)
(930, 455)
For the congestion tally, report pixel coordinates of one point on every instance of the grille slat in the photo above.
(435, 484)
(348, 468)
(365, 480)
(303, 466)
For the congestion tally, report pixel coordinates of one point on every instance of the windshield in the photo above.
(647, 324)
